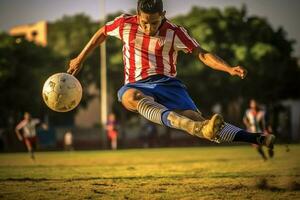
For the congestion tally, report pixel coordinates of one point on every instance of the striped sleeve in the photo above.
(21, 125)
(112, 28)
(184, 42)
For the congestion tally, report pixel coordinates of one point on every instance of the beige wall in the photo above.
(36, 32)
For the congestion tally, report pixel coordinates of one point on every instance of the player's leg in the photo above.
(214, 129)
(114, 143)
(29, 147)
(191, 114)
(136, 101)
(231, 133)
(271, 153)
(261, 152)
(241, 135)
(194, 122)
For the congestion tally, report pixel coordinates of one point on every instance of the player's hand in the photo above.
(74, 66)
(238, 71)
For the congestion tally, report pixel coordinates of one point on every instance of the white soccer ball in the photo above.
(62, 92)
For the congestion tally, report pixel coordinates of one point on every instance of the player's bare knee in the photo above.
(131, 98)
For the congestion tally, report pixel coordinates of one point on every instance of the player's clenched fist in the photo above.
(238, 71)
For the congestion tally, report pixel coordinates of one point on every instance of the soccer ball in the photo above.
(62, 92)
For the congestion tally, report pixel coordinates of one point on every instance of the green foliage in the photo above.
(67, 37)
(24, 67)
(244, 40)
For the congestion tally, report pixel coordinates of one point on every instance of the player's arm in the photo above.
(95, 41)
(218, 63)
(246, 122)
(17, 130)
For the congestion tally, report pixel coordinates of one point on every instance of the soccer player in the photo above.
(255, 121)
(28, 127)
(150, 46)
(111, 129)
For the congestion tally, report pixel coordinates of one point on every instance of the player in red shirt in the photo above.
(112, 133)
(150, 46)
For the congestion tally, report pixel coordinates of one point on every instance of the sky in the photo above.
(278, 12)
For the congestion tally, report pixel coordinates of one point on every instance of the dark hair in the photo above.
(150, 6)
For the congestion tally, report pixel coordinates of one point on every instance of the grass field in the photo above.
(169, 173)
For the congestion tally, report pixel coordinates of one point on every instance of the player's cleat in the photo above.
(269, 141)
(209, 128)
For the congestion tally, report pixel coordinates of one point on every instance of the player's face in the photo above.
(150, 22)
(111, 117)
(253, 104)
(27, 116)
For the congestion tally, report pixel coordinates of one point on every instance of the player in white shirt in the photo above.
(26, 131)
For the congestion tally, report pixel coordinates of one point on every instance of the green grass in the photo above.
(170, 173)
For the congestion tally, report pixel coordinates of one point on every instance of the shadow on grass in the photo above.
(264, 184)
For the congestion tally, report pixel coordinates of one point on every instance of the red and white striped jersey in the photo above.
(145, 55)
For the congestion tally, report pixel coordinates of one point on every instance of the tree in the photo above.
(24, 67)
(249, 41)
(67, 37)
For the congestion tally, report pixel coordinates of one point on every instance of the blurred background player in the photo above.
(255, 122)
(68, 141)
(26, 131)
(150, 47)
(111, 130)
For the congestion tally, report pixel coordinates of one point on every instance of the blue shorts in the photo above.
(167, 91)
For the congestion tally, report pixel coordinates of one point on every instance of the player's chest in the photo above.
(139, 41)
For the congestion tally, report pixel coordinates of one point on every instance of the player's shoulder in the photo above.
(175, 27)
(22, 123)
(171, 25)
(127, 17)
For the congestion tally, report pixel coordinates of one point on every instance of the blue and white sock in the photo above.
(253, 138)
(151, 110)
(227, 133)
(231, 133)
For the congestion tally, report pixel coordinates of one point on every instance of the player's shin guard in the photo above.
(174, 120)
(151, 110)
(204, 129)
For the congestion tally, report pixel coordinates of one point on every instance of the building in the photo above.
(36, 32)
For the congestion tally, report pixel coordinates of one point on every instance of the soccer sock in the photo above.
(227, 133)
(244, 136)
(164, 118)
(159, 114)
(151, 110)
